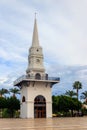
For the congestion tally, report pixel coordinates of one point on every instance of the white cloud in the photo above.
(62, 27)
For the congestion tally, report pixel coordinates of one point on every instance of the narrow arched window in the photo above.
(37, 76)
(23, 99)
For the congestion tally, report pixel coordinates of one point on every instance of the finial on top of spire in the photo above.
(35, 40)
(35, 15)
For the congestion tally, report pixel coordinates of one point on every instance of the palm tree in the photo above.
(3, 91)
(14, 91)
(84, 96)
(77, 85)
(70, 93)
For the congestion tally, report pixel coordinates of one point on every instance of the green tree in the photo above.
(3, 102)
(14, 91)
(3, 91)
(65, 104)
(77, 105)
(77, 85)
(84, 96)
(13, 104)
(55, 100)
(70, 93)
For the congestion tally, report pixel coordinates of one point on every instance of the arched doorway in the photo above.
(39, 107)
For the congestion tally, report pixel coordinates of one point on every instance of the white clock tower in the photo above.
(35, 58)
(35, 86)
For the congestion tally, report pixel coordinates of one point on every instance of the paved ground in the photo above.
(75, 123)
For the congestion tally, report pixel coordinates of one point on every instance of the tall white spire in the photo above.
(35, 58)
(35, 40)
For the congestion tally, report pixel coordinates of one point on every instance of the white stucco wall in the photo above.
(30, 92)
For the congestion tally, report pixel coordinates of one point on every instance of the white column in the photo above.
(49, 109)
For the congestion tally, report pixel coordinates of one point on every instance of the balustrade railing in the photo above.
(26, 77)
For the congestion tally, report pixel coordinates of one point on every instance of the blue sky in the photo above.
(62, 28)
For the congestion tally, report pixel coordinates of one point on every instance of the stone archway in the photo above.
(39, 107)
(37, 76)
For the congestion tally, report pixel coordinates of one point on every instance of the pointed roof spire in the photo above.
(35, 40)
